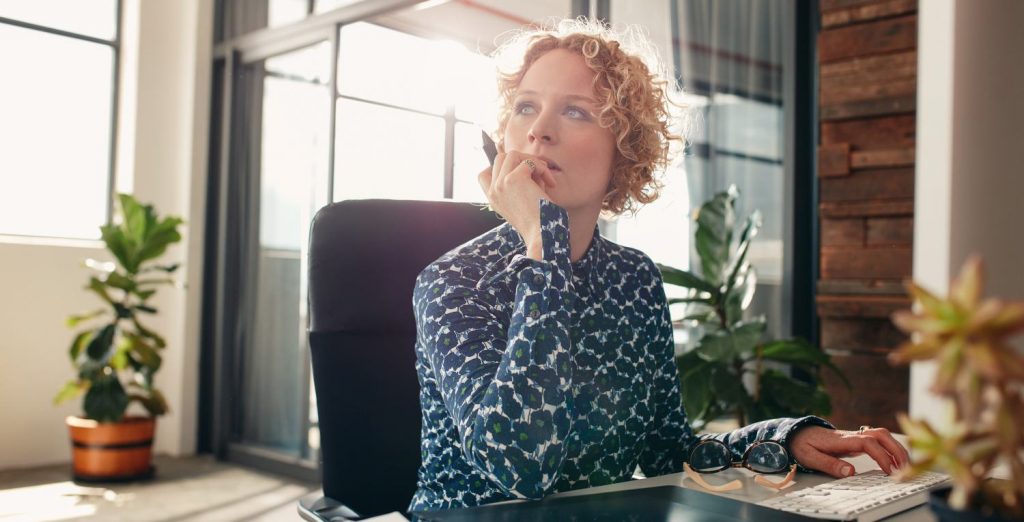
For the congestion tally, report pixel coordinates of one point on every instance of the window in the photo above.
(728, 58)
(57, 101)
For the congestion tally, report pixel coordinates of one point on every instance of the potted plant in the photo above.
(981, 376)
(116, 357)
(730, 348)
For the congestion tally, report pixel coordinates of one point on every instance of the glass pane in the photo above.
(294, 152)
(54, 134)
(282, 12)
(478, 25)
(402, 70)
(470, 159)
(382, 152)
(96, 18)
(476, 87)
(322, 6)
(728, 57)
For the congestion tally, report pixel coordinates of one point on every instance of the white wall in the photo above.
(970, 130)
(164, 104)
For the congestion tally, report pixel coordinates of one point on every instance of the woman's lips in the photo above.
(551, 164)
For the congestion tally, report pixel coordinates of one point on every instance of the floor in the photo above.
(191, 488)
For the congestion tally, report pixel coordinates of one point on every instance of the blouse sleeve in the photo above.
(670, 438)
(507, 386)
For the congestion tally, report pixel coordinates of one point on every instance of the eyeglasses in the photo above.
(712, 456)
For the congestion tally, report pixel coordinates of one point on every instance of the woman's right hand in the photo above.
(513, 190)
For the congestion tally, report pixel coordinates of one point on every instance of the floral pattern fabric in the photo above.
(545, 376)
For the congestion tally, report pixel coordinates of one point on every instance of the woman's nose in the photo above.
(542, 130)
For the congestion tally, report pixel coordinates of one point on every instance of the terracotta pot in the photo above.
(111, 452)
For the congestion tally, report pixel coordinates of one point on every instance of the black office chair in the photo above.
(364, 257)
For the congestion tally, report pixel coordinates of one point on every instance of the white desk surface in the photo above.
(751, 492)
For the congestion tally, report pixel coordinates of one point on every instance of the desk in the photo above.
(752, 492)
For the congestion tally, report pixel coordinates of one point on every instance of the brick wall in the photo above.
(867, 52)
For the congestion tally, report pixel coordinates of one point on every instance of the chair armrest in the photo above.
(316, 508)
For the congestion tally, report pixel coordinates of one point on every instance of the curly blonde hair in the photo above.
(633, 97)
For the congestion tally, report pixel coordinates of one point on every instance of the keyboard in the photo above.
(866, 497)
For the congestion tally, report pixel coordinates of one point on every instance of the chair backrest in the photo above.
(364, 257)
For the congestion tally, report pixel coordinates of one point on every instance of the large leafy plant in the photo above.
(116, 357)
(730, 349)
(981, 374)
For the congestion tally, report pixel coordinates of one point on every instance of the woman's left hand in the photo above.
(820, 449)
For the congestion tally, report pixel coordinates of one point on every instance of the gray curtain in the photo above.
(730, 52)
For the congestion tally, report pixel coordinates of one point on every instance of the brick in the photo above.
(860, 287)
(866, 263)
(876, 306)
(846, 209)
(837, 93)
(878, 391)
(862, 12)
(860, 335)
(890, 231)
(868, 108)
(842, 232)
(869, 69)
(883, 36)
(834, 160)
(866, 159)
(875, 184)
(873, 133)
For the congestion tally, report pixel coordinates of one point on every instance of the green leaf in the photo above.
(149, 334)
(155, 403)
(100, 288)
(143, 352)
(794, 351)
(716, 346)
(162, 268)
(106, 400)
(99, 346)
(73, 320)
(144, 308)
(728, 386)
(696, 389)
(80, 342)
(677, 300)
(746, 335)
(794, 397)
(117, 244)
(160, 237)
(119, 281)
(677, 277)
(70, 390)
(713, 238)
(733, 308)
(739, 259)
(145, 294)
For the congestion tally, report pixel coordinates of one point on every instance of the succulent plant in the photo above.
(982, 375)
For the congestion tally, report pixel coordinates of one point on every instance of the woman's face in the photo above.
(554, 117)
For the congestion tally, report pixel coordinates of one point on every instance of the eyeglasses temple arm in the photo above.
(694, 476)
(762, 481)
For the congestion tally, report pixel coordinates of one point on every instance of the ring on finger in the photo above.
(864, 428)
(530, 163)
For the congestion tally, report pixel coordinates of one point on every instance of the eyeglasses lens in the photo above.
(710, 456)
(769, 457)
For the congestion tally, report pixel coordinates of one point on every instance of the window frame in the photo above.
(115, 96)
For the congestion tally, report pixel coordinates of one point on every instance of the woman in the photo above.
(544, 351)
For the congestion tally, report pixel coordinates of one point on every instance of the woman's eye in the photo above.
(524, 108)
(576, 113)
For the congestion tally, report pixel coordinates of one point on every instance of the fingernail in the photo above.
(847, 471)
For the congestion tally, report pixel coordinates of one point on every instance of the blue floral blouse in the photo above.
(545, 376)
